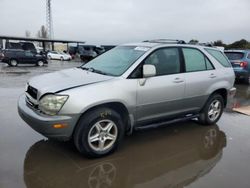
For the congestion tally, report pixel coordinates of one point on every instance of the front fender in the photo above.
(83, 98)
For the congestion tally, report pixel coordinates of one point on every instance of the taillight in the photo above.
(243, 64)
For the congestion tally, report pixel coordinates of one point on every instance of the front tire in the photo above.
(40, 63)
(13, 63)
(212, 111)
(99, 132)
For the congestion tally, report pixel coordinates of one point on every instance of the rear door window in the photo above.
(20, 54)
(219, 56)
(235, 55)
(28, 54)
(196, 60)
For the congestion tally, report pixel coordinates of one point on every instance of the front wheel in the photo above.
(13, 63)
(61, 58)
(40, 63)
(99, 132)
(212, 111)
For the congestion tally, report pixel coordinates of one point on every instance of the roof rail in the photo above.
(166, 41)
(205, 44)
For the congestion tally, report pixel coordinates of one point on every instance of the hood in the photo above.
(65, 79)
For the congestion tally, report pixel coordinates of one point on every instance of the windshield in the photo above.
(234, 55)
(116, 61)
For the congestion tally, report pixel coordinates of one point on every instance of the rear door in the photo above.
(161, 96)
(200, 74)
(29, 57)
(20, 56)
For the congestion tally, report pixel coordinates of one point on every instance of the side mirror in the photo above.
(149, 71)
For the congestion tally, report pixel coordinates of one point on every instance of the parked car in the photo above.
(99, 50)
(87, 52)
(15, 57)
(59, 56)
(131, 87)
(107, 47)
(1, 54)
(240, 60)
(27, 46)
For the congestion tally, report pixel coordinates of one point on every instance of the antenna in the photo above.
(49, 22)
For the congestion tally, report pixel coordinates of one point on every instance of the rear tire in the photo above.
(212, 111)
(99, 132)
(61, 58)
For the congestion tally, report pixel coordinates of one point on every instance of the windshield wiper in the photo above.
(83, 68)
(91, 69)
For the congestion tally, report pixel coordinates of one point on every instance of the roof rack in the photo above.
(205, 44)
(166, 41)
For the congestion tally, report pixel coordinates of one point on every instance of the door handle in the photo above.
(178, 80)
(212, 75)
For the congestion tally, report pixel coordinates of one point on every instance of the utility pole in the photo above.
(49, 21)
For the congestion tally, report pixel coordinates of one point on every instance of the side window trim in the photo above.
(204, 55)
(228, 62)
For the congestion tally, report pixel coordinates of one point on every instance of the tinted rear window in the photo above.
(234, 55)
(219, 56)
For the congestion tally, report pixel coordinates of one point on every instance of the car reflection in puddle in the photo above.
(166, 157)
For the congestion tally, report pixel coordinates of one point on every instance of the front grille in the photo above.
(31, 104)
(32, 92)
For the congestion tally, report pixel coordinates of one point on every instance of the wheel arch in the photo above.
(223, 92)
(40, 60)
(13, 58)
(119, 107)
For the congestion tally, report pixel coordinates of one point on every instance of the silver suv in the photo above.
(133, 86)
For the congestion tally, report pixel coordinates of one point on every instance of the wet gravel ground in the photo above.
(179, 155)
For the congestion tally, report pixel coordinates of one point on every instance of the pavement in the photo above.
(178, 155)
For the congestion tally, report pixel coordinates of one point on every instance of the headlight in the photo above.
(26, 86)
(51, 104)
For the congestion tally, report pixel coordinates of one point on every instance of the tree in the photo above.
(27, 33)
(193, 41)
(241, 44)
(42, 33)
(219, 43)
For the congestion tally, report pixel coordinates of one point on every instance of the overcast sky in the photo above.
(119, 21)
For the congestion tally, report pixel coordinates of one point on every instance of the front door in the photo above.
(161, 96)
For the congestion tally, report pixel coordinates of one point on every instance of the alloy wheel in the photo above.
(102, 135)
(13, 62)
(214, 110)
(40, 63)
